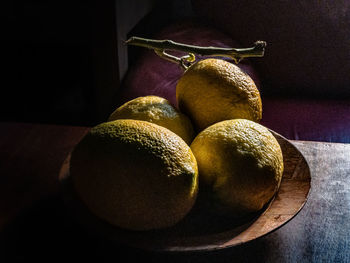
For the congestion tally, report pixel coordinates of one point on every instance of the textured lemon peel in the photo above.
(156, 110)
(164, 147)
(238, 148)
(214, 90)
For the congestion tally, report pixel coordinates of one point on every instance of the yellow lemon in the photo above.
(240, 165)
(159, 111)
(134, 174)
(214, 90)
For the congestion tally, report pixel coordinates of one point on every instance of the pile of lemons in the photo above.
(144, 167)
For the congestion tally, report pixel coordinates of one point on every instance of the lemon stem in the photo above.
(160, 46)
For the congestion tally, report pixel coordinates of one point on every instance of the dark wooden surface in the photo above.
(35, 223)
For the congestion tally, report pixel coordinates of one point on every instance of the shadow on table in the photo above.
(46, 232)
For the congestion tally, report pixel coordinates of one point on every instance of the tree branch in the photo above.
(237, 54)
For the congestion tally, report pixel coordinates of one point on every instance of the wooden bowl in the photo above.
(200, 231)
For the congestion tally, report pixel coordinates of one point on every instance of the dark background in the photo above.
(60, 58)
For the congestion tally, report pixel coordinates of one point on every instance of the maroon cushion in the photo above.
(311, 120)
(152, 75)
(308, 48)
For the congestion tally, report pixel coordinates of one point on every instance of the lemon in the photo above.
(159, 111)
(134, 174)
(214, 90)
(240, 165)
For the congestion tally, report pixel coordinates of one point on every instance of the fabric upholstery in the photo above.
(308, 52)
(308, 119)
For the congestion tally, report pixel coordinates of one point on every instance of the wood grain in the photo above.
(200, 231)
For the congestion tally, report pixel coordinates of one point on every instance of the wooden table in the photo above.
(35, 225)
